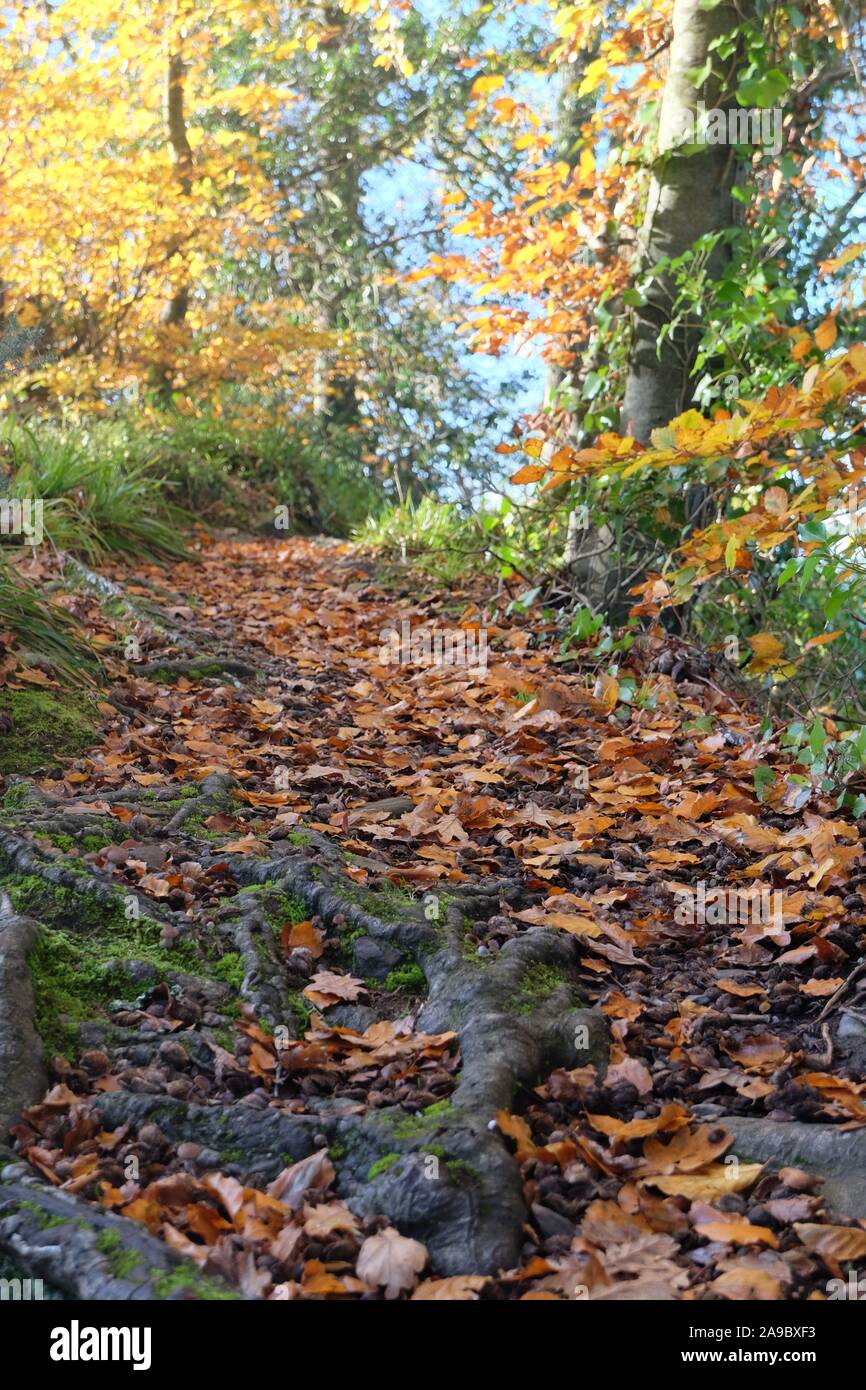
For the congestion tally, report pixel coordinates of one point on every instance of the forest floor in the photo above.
(361, 980)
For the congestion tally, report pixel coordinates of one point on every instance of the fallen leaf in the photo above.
(392, 1261)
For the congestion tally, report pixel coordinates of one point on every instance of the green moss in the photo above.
(382, 1165)
(439, 1107)
(64, 842)
(301, 1010)
(276, 907)
(75, 960)
(123, 1265)
(348, 937)
(389, 905)
(195, 825)
(92, 843)
(107, 1241)
(461, 1172)
(121, 1262)
(230, 969)
(44, 727)
(405, 1126)
(174, 803)
(409, 977)
(184, 1277)
(45, 1221)
(299, 837)
(337, 1151)
(16, 796)
(537, 985)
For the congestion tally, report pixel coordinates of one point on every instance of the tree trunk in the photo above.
(181, 152)
(690, 196)
(176, 309)
(339, 227)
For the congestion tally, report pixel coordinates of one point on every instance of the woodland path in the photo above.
(359, 979)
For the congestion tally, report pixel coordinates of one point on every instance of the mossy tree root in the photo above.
(107, 591)
(445, 1176)
(87, 1253)
(23, 1075)
(17, 855)
(449, 1179)
(207, 663)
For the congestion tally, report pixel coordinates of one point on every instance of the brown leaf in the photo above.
(671, 1118)
(322, 1221)
(292, 1184)
(713, 1182)
(833, 1242)
(460, 1288)
(303, 935)
(758, 1052)
(327, 986)
(819, 989)
(518, 1130)
(688, 1150)
(747, 1282)
(728, 1226)
(392, 1261)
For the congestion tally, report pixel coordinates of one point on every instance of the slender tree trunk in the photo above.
(586, 550)
(340, 225)
(690, 196)
(177, 307)
(181, 152)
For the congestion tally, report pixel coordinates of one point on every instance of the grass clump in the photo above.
(301, 1010)
(389, 905)
(97, 498)
(43, 633)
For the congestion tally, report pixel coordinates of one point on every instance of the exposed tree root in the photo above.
(87, 1253)
(22, 1066)
(836, 1155)
(192, 667)
(446, 1178)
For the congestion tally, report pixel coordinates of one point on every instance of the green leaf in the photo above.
(764, 778)
(702, 725)
(787, 573)
(698, 76)
(809, 569)
(817, 738)
(765, 90)
(731, 553)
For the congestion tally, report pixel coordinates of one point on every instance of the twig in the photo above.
(840, 992)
